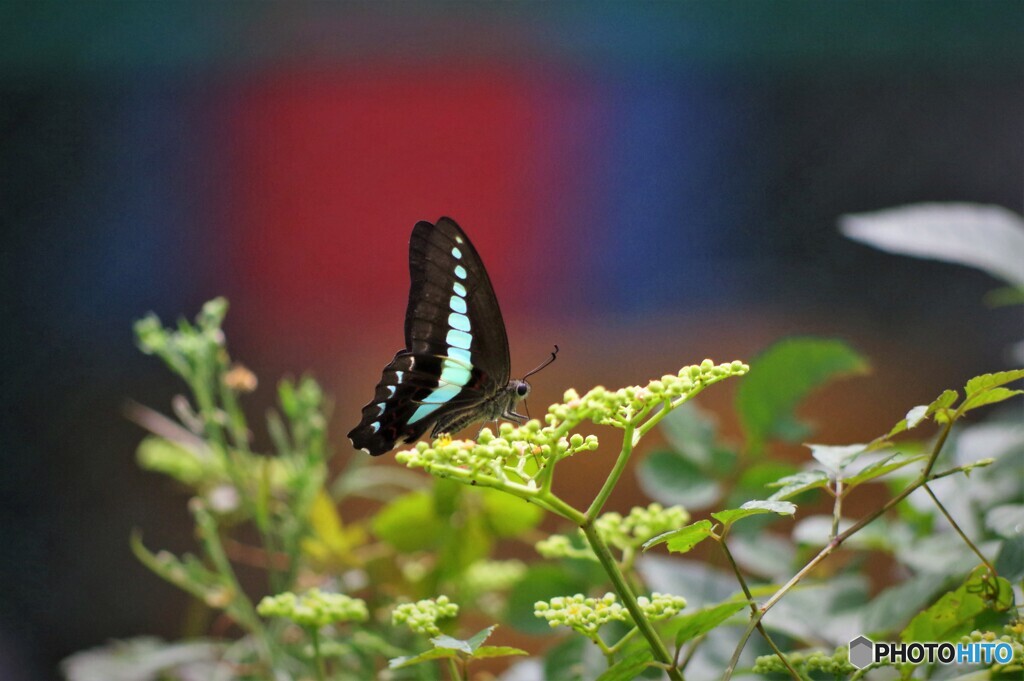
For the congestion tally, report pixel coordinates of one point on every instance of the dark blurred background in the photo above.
(649, 184)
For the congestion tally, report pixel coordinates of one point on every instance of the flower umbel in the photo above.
(314, 609)
(422, 616)
(587, 615)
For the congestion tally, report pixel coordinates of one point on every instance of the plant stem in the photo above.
(613, 477)
(321, 673)
(753, 610)
(837, 508)
(921, 480)
(959, 531)
(453, 669)
(658, 648)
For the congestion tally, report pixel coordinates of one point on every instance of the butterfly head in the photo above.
(519, 387)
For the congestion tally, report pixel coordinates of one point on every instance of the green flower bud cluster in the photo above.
(493, 575)
(640, 525)
(422, 616)
(1013, 634)
(620, 407)
(560, 546)
(661, 606)
(626, 534)
(587, 615)
(314, 608)
(837, 664)
(516, 454)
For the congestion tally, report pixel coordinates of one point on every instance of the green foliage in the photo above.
(784, 375)
(370, 604)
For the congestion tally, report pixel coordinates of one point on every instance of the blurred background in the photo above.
(648, 184)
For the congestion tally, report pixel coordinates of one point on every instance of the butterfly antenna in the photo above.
(543, 364)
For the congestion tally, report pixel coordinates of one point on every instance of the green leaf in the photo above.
(893, 607)
(979, 384)
(990, 396)
(792, 485)
(542, 582)
(781, 377)
(477, 639)
(669, 478)
(485, 652)
(1010, 561)
(882, 467)
(729, 516)
(432, 654)
(692, 433)
(694, 624)
(507, 515)
(565, 661)
(953, 615)
(836, 458)
(916, 415)
(409, 522)
(452, 643)
(939, 408)
(629, 667)
(683, 539)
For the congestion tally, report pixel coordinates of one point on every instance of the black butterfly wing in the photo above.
(456, 353)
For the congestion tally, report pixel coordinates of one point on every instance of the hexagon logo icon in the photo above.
(861, 652)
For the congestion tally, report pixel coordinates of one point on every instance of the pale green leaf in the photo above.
(670, 478)
(916, 415)
(430, 655)
(883, 467)
(730, 516)
(987, 237)
(484, 652)
(792, 485)
(452, 643)
(836, 458)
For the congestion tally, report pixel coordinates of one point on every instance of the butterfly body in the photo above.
(455, 367)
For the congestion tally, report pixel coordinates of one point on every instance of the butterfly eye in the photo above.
(522, 389)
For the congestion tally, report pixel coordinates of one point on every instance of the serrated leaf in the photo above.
(629, 667)
(990, 238)
(940, 405)
(669, 478)
(792, 485)
(694, 624)
(988, 381)
(883, 467)
(730, 516)
(428, 656)
(990, 396)
(953, 615)
(409, 522)
(477, 639)
(683, 539)
(836, 458)
(781, 377)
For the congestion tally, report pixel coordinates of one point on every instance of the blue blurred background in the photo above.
(649, 184)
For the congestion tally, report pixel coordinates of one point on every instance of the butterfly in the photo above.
(455, 368)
